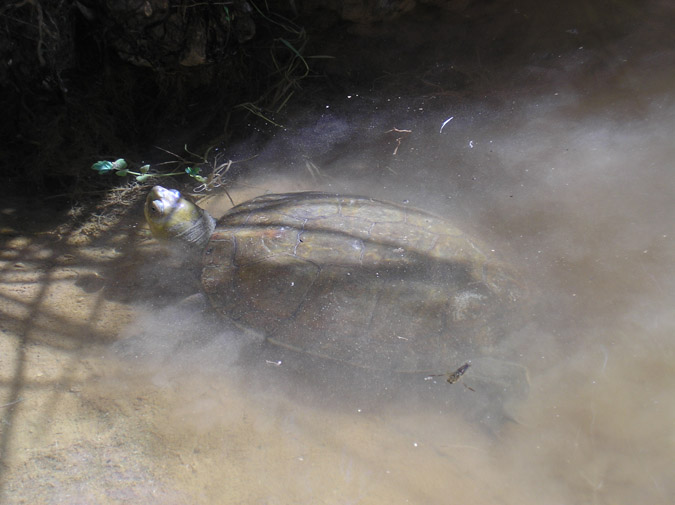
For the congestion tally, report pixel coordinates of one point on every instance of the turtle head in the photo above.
(172, 217)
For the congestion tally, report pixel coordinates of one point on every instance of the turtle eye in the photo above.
(156, 207)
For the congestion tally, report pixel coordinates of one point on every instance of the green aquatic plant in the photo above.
(121, 169)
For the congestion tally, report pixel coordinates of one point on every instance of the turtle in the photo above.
(352, 279)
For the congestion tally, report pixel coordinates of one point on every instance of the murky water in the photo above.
(109, 395)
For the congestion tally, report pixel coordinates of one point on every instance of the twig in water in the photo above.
(398, 140)
(446, 122)
(11, 403)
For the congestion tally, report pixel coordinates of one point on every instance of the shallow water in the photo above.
(110, 393)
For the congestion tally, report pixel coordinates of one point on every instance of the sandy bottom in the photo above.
(111, 394)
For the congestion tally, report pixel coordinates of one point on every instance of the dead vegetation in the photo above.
(84, 81)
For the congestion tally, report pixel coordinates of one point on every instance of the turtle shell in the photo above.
(349, 278)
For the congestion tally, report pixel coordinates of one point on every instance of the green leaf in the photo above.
(143, 178)
(120, 164)
(121, 173)
(144, 169)
(103, 167)
(192, 171)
